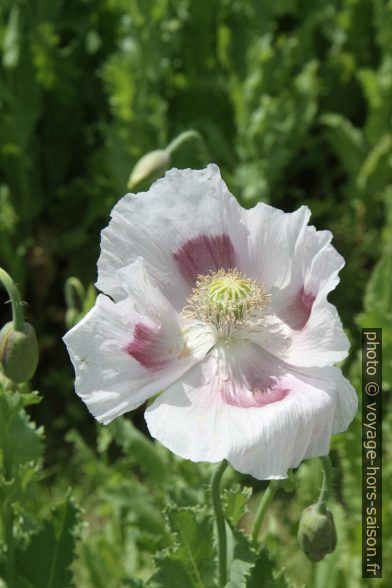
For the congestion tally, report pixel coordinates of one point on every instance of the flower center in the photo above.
(228, 300)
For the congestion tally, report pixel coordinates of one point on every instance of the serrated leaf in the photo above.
(235, 503)
(18, 487)
(20, 441)
(191, 562)
(264, 573)
(46, 560)
(241, 558)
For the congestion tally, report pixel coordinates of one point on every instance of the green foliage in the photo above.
(191, 561)
(264, 573)
(242, 558)
(20, 441)
(378, 298)
(235, 503)
(294, 102)
(142, 450)
(34, 553)
(46, 561)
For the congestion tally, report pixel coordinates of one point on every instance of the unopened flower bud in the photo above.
(18, 352)
(150, 167)
(316, 532)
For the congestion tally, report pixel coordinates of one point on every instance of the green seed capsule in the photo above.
(18, 352)
(317, 533)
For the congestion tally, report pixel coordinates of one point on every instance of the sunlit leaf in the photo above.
(46, 560)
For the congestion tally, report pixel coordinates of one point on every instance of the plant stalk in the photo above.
(326, 484)
(220, 521)
(264, 503)
(183, 138)
(16, 301)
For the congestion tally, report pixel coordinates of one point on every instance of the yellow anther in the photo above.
(227, 299)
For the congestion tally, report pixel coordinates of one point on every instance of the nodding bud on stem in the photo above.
(18, 352)
(316, 532)
(150, 167)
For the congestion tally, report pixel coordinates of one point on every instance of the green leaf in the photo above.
(265, 574)
(241, 558)
(346, 140)
(46, 560)
(20, 441)
(378, 298)
(235, 503)
(143, 451)
(376, 167)
(191, 561)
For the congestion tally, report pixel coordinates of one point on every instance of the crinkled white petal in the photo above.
(321, 341)
(273, 238)
(194, 421)
(300, 267)
(187, 223)
(116, 368)
(315, 266)
(289, 257)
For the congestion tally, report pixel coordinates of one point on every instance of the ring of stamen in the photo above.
(228, 300)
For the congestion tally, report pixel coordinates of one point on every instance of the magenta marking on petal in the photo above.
(144, 347)
(253, 391)
(273, 395)
(307, 299)
(297, 314)
(204, 253)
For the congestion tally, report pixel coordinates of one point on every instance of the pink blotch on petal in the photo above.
(204, 253)
(144, 347)
(297, 314)
(254, 391)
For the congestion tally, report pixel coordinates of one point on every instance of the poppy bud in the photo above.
(150, 167)
(18, 352)
(316, 532)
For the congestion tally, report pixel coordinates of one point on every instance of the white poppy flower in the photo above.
(222, 314)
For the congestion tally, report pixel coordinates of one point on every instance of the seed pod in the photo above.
(150, 167)
(316, 532)
(18, 352)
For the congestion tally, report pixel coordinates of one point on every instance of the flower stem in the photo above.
(220, 521)
(7, 522)
(326, 485)
(264, 503)
(16, 301)
(183, 138)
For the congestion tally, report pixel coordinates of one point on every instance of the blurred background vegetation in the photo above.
(294, 101)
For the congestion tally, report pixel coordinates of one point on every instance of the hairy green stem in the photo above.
(16, 301)
(8, 524)
(326, 485)
(7, 513)
(182, 138)
(264, 503)
(220, 521)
